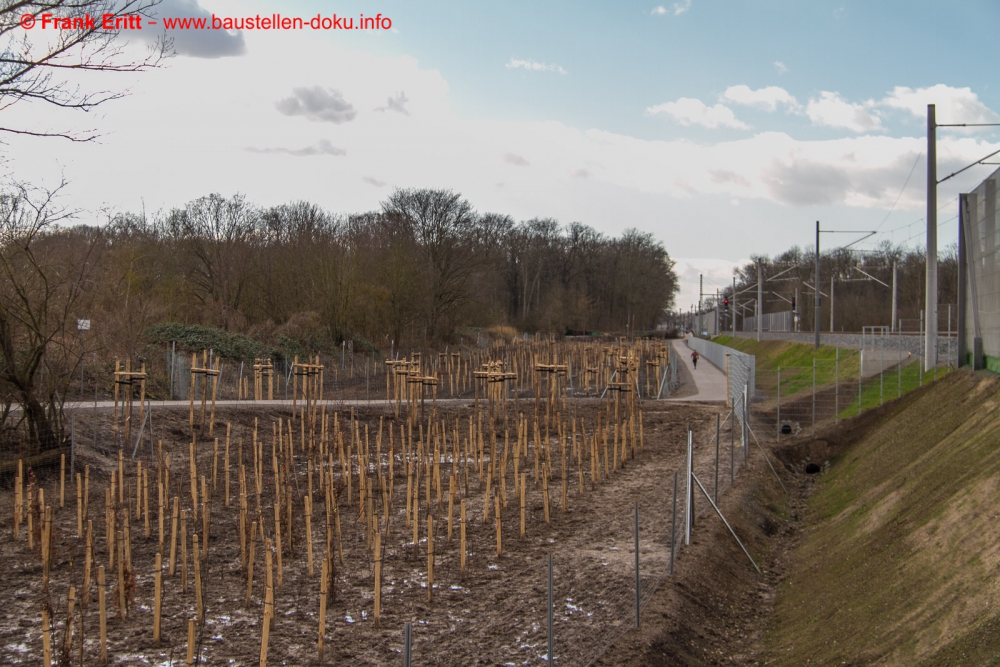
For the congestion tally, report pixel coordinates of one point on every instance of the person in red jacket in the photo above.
(694, 359)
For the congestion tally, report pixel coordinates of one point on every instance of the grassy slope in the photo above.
(796, 363)
(899, 563)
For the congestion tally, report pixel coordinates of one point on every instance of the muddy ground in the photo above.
(494, 613)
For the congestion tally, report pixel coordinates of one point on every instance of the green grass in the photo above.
(891, 385)
(897, 565)
(793, 364)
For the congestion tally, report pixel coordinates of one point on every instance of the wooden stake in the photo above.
(323, 588)
(157, 597)
(430, 556)
(102, 615)
(253, 543)
(46, 640)
(190, 644)
(268, 614)
(69, 621)
(524, 494)
(88, 556)
(309, 538)
(227, 465)
(184, 552)
(199, 607)
(499, 528)
(173, 536)
(378, 577)
(451, 503)
(121, 575)
(461, 535)
(62, 481)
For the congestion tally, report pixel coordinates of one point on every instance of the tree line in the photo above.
(424, 268)
(862, 287)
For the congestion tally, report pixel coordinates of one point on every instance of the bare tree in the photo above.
(44, 270)
(38, 62)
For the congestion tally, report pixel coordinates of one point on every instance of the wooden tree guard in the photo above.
(125, 380)
(204, 372)
(311, 376)
(263, 376)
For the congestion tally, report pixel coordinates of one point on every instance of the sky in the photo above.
(725, 129)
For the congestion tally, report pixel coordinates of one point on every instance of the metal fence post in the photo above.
(717, 417)
(814, 396)
(777, 428)
(861, 377)
(688, 492)
(732, 447)
(881, 371)
(673, 526)
(407, 644)
(549, 656)
(746, 422)
(638, 600)
(836, 386)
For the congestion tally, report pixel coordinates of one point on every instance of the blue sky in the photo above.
(724, 128)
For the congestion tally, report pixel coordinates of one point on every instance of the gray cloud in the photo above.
(196, 43)
(374, 181)
(515, 159)
(803, 183)
(397, 103)
(318, 103)
(580, 173)
(723, 176)
(322, 147)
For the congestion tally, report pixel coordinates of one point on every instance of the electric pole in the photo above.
(930, 297)
(816, 290)
(760, 301)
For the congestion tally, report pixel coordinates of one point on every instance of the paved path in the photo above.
(709, 380)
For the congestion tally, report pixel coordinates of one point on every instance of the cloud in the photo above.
(322, 147)
(860, 178)
(374, 181)
(688, 111)
(831, 110)
(763, 98)
(725, 176)
(397, 103)
(953, 105)
(317, 103)
(534, 67)
(780, 66)
(580, 173)
(516, 160)
(676, 9)
(196, 43)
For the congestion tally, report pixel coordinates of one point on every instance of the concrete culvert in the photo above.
(812, 468)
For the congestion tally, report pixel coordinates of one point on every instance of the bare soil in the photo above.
(494, 613)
